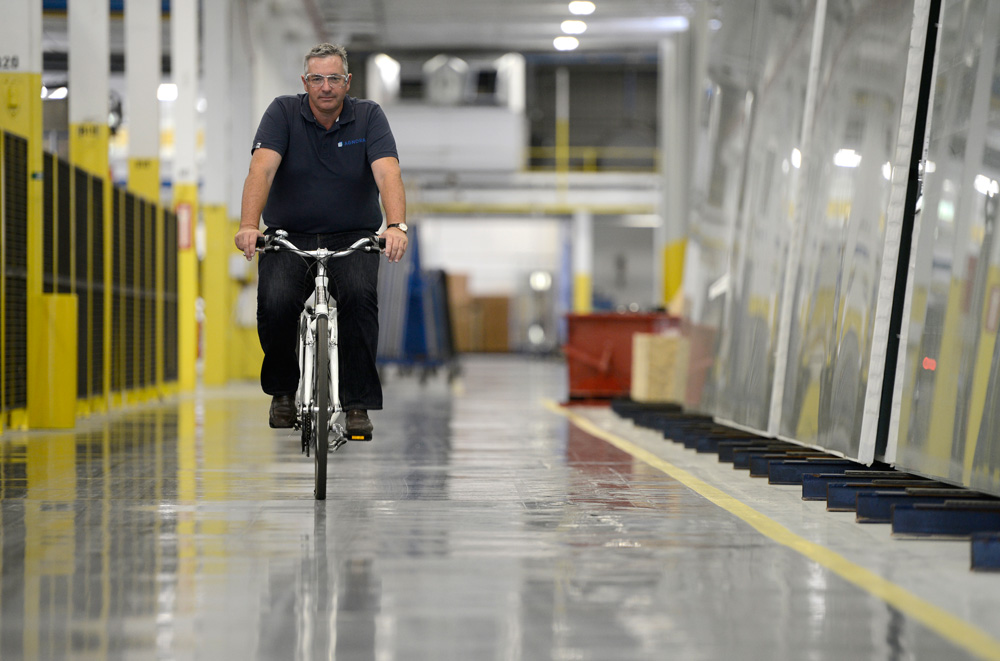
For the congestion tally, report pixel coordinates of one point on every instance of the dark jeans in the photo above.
(286, 281)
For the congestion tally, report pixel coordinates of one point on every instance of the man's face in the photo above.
(327, 96)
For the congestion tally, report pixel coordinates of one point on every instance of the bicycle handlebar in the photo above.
(279, 242)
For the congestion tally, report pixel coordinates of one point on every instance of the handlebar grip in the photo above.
(261, 242)
(381, 243)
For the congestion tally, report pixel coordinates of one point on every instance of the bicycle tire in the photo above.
(321, 389)
(305, 419)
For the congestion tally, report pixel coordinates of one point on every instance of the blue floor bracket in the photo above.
(792, 471)
(876, 506)
(953, 519)
(986, 551)
(814, 484)
(843, 496)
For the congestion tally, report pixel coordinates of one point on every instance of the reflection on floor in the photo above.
(478, 524)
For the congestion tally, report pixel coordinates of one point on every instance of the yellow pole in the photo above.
(217, 328)
(186, 208)
(583, 261)
(218, 315)
(184, 50)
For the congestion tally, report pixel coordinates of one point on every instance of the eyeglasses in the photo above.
(317, 79)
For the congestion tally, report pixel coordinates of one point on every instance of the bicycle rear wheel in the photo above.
(321, 390)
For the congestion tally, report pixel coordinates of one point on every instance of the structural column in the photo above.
(562, 133)
(21, 116)
(89, 53)
(583, 261)
(142, 74)
(218, 237)
(670, 237)
(184, 70)
(245, 354)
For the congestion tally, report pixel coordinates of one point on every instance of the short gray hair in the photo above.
(324, 51)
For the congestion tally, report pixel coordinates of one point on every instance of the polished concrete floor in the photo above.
(482, 522)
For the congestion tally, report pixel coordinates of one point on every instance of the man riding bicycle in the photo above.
(320, 162)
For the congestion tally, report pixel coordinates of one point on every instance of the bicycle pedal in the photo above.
(336, 445)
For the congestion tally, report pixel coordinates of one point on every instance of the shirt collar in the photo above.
(346, 113)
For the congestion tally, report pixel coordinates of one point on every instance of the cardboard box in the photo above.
(462, 321)
(460, 311)
(494, 323)
(659, 367)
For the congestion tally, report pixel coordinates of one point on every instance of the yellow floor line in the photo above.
(959, 632)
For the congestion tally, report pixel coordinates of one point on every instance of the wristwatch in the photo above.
(401, 226)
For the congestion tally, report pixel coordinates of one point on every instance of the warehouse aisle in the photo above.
(482, 523)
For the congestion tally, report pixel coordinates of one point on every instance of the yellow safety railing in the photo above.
(595, 159)
(13, 272)
(131, 349)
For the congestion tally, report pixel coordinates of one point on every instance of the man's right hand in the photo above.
(246, 240)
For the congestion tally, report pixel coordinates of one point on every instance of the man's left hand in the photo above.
(395, 243)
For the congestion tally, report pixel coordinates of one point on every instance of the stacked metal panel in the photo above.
(947, 396)
(842, 266)
(759, 199)
(809, 131)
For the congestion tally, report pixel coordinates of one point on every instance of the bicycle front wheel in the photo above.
(321, 391)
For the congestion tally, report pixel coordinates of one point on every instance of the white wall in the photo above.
(497, 254)
(463, 138)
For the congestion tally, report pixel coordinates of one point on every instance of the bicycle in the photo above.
(317, 399)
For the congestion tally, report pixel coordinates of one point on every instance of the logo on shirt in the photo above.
(350, 142)
(257, 146)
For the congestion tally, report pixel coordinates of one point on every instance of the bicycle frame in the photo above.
(322, 305)
(317, 398)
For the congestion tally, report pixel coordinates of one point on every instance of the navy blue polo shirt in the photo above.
(325, 182)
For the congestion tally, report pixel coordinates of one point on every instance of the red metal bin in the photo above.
(598, 351)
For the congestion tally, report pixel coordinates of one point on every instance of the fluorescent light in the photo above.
(887, 171)
(574, 27)
(847, 158)
(986, 186)
(669, 23)
(540, 281)
(796, 158)
(929, 166)
(582, 7)
(58, 93)
(166, 92)
(565, 43)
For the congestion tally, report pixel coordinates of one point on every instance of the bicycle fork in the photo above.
(324, 307)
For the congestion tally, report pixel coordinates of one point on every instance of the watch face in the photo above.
(401, 226)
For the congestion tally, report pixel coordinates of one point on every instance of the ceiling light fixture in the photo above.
(565, 43)
(582, 7)
(574, 27)
(166, 92)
